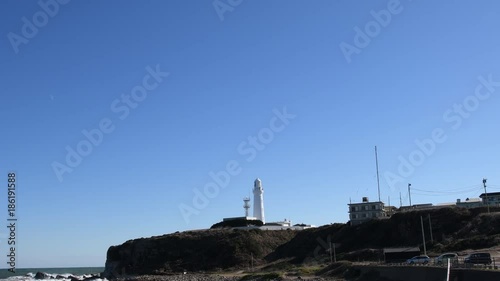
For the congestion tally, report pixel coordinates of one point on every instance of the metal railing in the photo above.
(455, 263)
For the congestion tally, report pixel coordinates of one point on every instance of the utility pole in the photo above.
(486, 194)
(430, 226)
(390, 209)
(378, 181)
(423, 234)
(334, 254)
(252, 262)
(409, 194)
(400, 200)
(331, 260)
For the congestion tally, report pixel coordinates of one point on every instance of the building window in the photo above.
(373, 207)
(353, 209)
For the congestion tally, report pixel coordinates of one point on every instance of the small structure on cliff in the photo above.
(400, 255)
(361, 212)
(258, 219)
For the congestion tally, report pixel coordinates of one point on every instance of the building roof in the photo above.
(239, 218)
(489, 194)
(422, 205)
(470, 200)
(366, 203)
(445, 204)
(399, 250)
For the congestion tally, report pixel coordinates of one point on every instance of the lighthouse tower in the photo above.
(258, 201)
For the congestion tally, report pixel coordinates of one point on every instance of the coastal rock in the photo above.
(60, 277)
(41, 275)
(74, 278)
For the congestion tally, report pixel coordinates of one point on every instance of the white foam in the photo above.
(31, 277)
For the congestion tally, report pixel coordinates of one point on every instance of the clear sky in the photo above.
(114, 113)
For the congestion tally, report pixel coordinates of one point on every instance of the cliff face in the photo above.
(193, 251)
(453, 230)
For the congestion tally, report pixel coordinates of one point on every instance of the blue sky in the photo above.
(230, 69)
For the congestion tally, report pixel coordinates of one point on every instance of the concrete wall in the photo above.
(475, 275)
(406, 273)
(428, 273)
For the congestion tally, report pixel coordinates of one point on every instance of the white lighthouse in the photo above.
(258, 200)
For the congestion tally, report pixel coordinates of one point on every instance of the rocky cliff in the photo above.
(193, 251)
(453, 229)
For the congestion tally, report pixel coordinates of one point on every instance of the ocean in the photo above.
(28, 274)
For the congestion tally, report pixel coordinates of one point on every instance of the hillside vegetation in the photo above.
(207, 250)
(453, 229)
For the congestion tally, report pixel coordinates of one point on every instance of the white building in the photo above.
(239, 218)
(258, 200)
(470, 203)
(258, 214)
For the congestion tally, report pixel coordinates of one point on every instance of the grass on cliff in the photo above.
(194, 251)
(290, 269)
(262, 276)
(303, 252)
(454, 229)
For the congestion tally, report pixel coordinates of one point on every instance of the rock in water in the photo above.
(41, 275)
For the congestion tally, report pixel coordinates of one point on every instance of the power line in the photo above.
(443, 195)
(468, 193)
(458, 190)
(435, 190)
(478, 190)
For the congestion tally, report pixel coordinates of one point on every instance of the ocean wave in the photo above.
(30, 276)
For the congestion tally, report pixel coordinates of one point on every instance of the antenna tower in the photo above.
(246, 205)
(378, 181)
